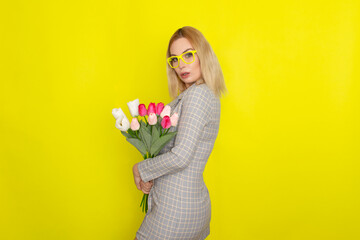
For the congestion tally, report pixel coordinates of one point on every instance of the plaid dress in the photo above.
(179, 201)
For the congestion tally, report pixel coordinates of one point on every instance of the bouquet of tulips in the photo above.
(148, 130)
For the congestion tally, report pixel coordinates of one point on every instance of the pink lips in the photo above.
(187, 75)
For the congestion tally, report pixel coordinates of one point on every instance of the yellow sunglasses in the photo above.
(187, 57)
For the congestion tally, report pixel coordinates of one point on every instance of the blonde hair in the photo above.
(210, 67)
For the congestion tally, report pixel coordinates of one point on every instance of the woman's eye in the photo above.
(187, 55)
(174, 60)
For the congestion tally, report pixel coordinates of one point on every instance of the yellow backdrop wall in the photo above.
(286, 161)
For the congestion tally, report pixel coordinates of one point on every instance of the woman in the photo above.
(179, 202)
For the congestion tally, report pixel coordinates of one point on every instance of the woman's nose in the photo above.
(181, 63)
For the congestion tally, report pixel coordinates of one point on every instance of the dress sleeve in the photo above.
(195, 114)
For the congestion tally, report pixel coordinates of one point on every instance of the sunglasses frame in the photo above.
(181, 57)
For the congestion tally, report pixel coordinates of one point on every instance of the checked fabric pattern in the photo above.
(179, 201)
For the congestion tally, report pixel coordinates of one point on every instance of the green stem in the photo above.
(144, 201)
(146, 204)
(137, 135)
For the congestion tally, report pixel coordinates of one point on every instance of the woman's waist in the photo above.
(182, 178)
(180, 193)
(176, 187)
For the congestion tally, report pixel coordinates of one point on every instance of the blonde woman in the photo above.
(179, 201)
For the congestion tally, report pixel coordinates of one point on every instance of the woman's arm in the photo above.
(195, 114)
(140, 184)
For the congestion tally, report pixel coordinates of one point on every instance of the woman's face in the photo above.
(178, 47)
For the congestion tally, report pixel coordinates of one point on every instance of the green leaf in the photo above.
(161, 142)
(155, 134)
(138, 144)
(145, 137)
(142, 123)
(126, 134)
(132, 133)
(147, 128)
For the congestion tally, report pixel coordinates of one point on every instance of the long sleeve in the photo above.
(195, 114)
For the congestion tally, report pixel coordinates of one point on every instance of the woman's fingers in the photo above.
(146, 186)
(140, 184)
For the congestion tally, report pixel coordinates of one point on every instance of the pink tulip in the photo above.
(134, 124)
(159, 108)
(166, 111)
(151, 108)
(174, 119)
(142, 110)
(166, 123)
(152, 119)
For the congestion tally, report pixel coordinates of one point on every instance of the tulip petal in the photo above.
(122, 123)
(134, 125)
(174, 119)
(166, 111)
(134, 107)
(117, 112)
(152, 119)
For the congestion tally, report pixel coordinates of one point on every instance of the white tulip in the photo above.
(134, 107)
(117, 112)
(122, 123)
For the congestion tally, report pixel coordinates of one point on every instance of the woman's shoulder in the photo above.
(200, 92)
(201, 100)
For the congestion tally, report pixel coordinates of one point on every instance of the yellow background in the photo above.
(286, 161)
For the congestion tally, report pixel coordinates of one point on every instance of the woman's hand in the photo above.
(146, 186)
(140, 184)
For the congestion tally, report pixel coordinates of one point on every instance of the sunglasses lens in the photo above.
(188, 57)
(173, 62)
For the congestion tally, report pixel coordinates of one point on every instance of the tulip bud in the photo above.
(134, 124)
(159, 108)
(122, 123)
(166, 111)
(151, 108)
(174, 119)
(117, 112)
(152, 119)
(134, 107)
(166, 123)
(142, 110)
